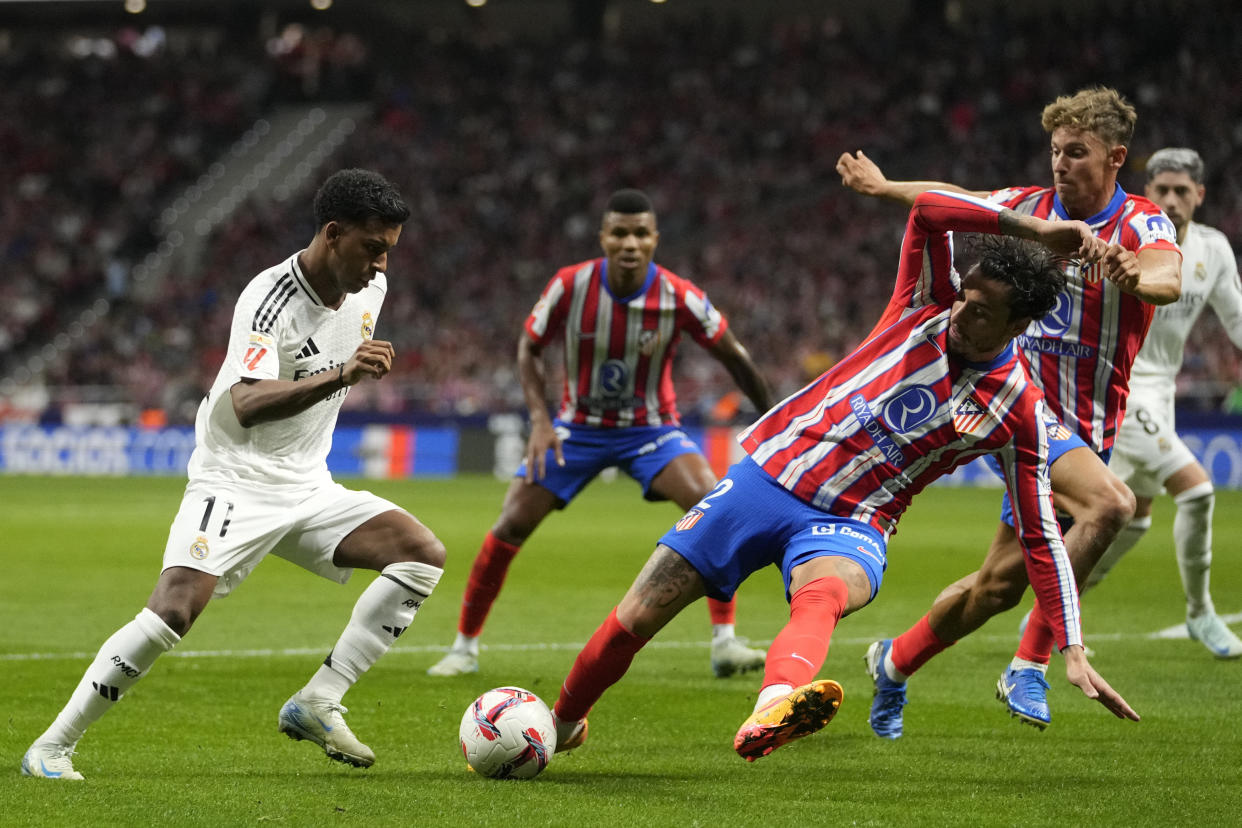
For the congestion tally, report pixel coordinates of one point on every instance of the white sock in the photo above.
(382, 613)
(772, 691)
(1129, 535)
(720, 631)
(1023, 664)
(1192, 538)
(122, 660)
(466, 644)
(890, 669)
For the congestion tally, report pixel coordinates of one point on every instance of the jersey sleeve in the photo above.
(1147, 227)
(254, 337)
(1048, 566)
(547, 318)
(701, 319)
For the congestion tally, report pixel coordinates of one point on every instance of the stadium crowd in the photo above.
(505, 148)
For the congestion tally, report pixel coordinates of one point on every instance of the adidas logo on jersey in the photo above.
(308, 350)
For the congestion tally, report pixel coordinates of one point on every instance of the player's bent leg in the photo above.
(1098, 501)
(686, 479)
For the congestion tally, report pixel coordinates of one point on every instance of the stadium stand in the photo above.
(133, 219)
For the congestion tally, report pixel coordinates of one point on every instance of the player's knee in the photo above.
(428, 550)
(1111, 507)
(178, 618)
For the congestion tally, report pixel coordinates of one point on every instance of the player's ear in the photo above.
(1017, 326)
(1117, 156)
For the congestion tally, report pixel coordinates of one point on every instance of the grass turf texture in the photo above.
(195, 742)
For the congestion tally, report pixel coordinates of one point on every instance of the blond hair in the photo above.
(1099, 109)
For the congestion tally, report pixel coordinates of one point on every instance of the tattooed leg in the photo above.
(666, 586)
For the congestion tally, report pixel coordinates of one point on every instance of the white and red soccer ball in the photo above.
(508, 733)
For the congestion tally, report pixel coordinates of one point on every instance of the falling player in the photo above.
(1080, 355)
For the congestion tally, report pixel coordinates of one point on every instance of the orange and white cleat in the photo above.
(805, 710)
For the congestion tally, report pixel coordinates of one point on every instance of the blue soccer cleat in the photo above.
(1025, 693)
(890, 696)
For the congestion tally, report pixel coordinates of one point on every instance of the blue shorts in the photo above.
(641, 451)
(749, 521)
(1060, 440)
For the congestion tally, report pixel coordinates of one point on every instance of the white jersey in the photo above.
(281, 330)
(1209, 277)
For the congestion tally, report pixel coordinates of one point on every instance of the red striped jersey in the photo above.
(619, 349)
(898, 412)
(1081, 352)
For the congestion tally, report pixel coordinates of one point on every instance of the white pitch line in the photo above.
(1177, 631)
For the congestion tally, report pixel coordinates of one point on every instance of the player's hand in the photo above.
(1122, 268)
(860, 173)
(1073, 239)
(1082, 675)
(543, 437)
(373, 358)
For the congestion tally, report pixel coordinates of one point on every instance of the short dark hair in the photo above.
(355, 196)
(1034, 274)
(629, 202)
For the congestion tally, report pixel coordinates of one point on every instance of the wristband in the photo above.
(340, 374)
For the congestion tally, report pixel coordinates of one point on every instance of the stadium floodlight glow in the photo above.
(135, 6)
(321, 5)
(476, 3)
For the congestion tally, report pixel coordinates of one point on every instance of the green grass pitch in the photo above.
(195, 742)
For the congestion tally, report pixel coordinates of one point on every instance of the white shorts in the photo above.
(1148, 451)
(225, 529)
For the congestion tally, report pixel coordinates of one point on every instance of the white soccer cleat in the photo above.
(731, 655)
(455, 663)
(323, 723)
(1209, 630)
(569, 735)
(49, 761)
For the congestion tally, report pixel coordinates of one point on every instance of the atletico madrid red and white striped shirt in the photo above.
(899, 411)
(619, 349)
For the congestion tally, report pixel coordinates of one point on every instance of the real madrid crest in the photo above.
(198, 550)
(368, 326)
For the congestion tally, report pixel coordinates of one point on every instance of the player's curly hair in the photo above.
(1033, 273)
(355, 196)
(1097, 109)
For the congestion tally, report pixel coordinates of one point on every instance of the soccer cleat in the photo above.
(890, 696)
(569, 735)
(731, 655)
(322, 722)
(805, 710)
(1209, 630)
(49, 761)
(454, 663)
(1025, 693)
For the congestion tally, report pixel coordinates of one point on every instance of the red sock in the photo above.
(722, 612)
(799, 650)
(1036, 643)
(600, 665)
(487, 576)
(916, 646)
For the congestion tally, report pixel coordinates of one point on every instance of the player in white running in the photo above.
(1149, 456)
(259, 481)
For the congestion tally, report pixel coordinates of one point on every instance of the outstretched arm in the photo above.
(734, 356)
(861, 174)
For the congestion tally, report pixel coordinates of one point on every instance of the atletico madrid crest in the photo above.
(688, 520)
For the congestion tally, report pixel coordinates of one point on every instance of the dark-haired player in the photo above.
(259, 480)
(621, 318)
(1080, 356)
(831, 469)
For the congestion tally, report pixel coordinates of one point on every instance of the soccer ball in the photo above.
(508, 733)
